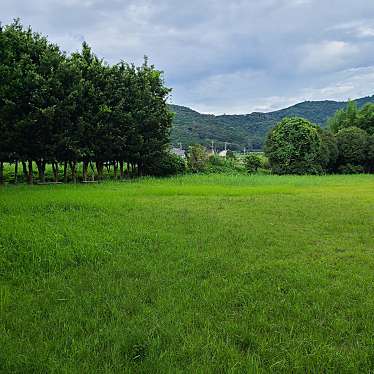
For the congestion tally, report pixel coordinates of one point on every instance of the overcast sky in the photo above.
(223, 56)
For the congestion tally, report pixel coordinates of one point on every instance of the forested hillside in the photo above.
(248, 130)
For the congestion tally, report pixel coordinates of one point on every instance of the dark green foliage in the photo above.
(329, 151)
(59, 109)
(252, 162)
(352, 145)
(370, 154)
(190, 127)
(197, 158)
(32, 91)
(366, 118)
(350, 169)
(293, 147)
(343, 118)
(168, 164)
(353, 128)
(351, 116)
(230, 154)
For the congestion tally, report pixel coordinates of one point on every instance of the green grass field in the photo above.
(200, 274)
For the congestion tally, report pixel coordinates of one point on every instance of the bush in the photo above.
(230, 154)
(350, 169)
(168, 164)
(252, 162)
(197, 158)
(228, 165)
(329, 151)
(293, 147)
(352, 146)
(370, 155)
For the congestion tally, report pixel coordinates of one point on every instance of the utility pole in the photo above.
(212, 147)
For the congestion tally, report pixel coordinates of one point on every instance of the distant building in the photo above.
(178, 152)
(224, 152)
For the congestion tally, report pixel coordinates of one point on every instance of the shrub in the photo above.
(230, 154)
(228, 165)
(168, 164)
(370, 154)
(252, 162)
(352, 146)
(350, 169)
(197, 158)
(329, 151)
(293, 147)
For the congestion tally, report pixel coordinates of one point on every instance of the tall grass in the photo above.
(196, 274)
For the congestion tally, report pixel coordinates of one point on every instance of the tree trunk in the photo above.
(65, 172)
(55, 171)
(1, 172)
(128, 169)
(24, 171)
(115, 168)
(16, 172)
(121, 175)
(29, 173)
(73, 168)
(41, 170)
(99, 168)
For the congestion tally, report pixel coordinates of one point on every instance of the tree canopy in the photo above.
(293, 147)
(352, 116)
(56, 108)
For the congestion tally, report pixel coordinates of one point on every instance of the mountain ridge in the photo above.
(246, 130)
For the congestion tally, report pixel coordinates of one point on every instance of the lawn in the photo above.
(200, 274)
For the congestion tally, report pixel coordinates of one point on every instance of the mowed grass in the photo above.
(200, 274)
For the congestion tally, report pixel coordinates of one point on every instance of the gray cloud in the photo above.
(221, 56)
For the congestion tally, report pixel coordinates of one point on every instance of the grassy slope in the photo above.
(197, 273)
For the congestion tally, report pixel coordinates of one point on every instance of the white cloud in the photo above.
(358, 28)
(327, 55)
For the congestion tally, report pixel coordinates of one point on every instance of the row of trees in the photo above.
(296, 146)
(63, 109)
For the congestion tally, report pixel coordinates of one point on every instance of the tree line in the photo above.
(63, 110)
(296, 146)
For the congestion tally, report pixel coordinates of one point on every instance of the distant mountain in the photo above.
(247, 130)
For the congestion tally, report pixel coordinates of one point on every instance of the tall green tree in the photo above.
(293, 147)
(91, 104)
(365, 119)
(58, 109)
(31, 91)
(352, 145)
(344, 118)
